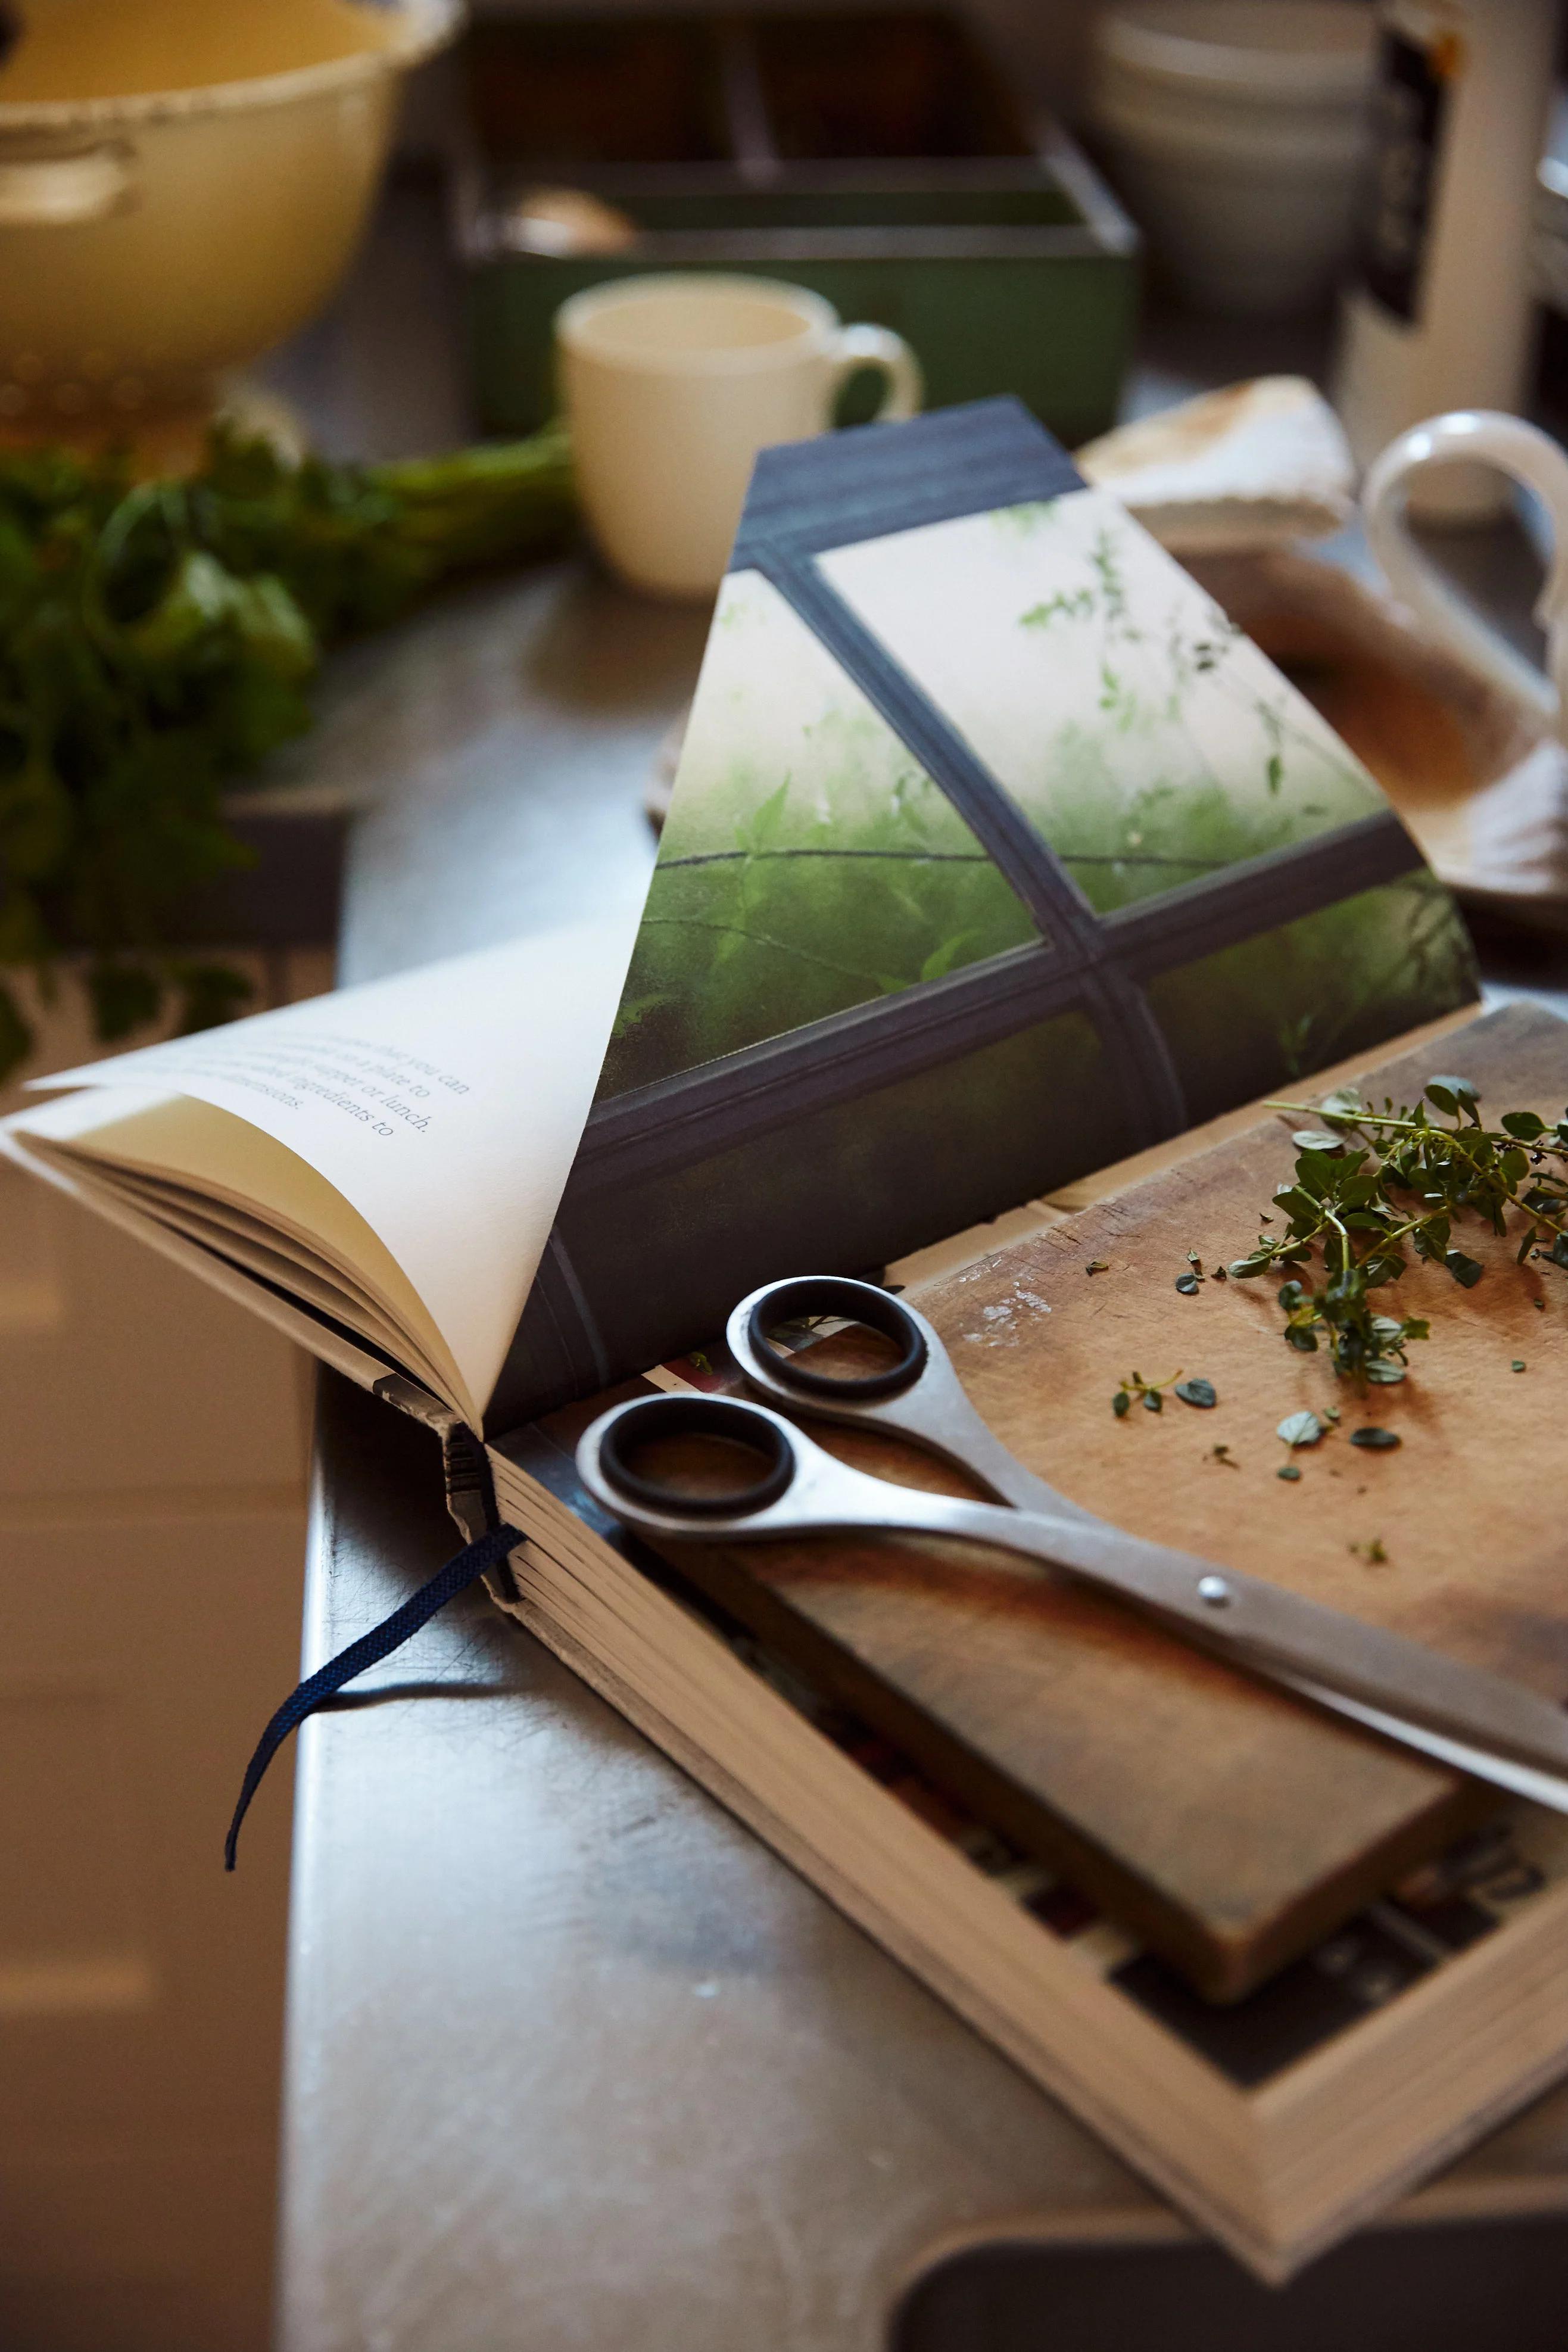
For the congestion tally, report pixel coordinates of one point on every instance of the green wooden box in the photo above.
(879, 158)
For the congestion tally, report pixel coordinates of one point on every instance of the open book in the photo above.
(377, 1170)
(995, 852)
(995, 856)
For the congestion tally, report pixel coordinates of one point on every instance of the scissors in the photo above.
(1477, 1722)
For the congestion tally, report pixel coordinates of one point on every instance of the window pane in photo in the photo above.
(848, 1187)
(1258, 1015)
(809, 863)
(1147, 739)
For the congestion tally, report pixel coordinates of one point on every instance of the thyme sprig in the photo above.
(1372, 1189)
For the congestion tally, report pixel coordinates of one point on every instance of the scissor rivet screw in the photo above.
(1214, 1590)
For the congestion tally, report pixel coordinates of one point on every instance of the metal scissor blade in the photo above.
(1269, 1631)
(1464, 1716)
(1520, 1780)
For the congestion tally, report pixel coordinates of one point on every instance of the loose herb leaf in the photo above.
(1187, 1285)
(1376, 1441)
(1135, 1388)
(1289, 1471)
(1300, 1429)
(1201, 1393)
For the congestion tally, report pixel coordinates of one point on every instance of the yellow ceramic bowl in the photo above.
(154, 236)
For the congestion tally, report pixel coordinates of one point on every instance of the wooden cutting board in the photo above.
(1227, 1824)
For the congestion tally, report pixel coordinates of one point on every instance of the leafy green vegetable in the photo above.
(1300, 1429)
(1376, 1441)
(157, 638)
(1201, 1393)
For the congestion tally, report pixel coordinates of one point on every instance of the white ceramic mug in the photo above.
(672, 384)
(1532, 458)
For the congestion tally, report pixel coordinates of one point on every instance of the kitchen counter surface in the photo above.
(573, 2060)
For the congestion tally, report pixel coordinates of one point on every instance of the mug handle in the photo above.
(1532, 458)
(878, 347)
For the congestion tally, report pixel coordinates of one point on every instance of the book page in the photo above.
(223, 1184)
(443, 1105)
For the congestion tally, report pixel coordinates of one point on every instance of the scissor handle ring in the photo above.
(649, 1418)
(858, 1302)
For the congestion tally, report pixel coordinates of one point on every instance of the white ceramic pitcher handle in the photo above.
(880, 348)
(60, 190)
(1532, 458)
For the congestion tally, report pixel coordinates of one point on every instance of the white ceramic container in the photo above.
(1239, 130)
(151, 239)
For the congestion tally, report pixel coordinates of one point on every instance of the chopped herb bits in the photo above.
(1149, 1393)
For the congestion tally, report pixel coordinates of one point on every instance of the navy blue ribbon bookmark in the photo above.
(368, 1651)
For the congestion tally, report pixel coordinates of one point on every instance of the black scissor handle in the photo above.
(649, 1419)
(855, 1302)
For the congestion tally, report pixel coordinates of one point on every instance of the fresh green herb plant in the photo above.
(1375, 1189)
(157, 637)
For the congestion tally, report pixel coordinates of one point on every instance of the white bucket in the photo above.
(1239, 131)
